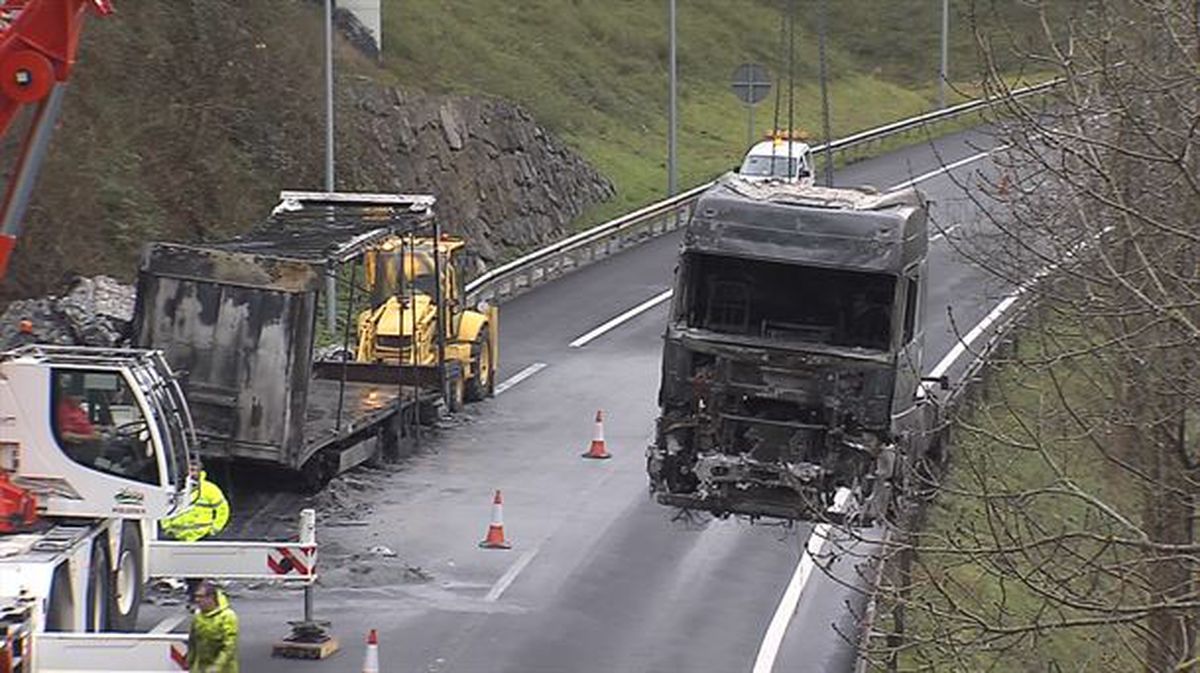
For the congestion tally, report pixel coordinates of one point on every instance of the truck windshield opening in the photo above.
(772, 300)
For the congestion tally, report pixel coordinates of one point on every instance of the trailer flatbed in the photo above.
(240, 318)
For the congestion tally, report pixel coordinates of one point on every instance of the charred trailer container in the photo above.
(792, 356)
(239, 318)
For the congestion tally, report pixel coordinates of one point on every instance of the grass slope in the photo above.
(595, 71)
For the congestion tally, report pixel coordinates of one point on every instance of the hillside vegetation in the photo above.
(596, 70)
(184, 120)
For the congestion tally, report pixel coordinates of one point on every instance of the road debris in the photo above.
(94, 312)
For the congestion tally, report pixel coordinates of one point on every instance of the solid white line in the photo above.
(509, 576)
(617, 321)
(947, 168)
(519, 377)
(769, 649)
(961, 346)
(1005, 304)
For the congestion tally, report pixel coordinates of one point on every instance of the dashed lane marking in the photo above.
(509, 576)
(621, 319)
(519, 377)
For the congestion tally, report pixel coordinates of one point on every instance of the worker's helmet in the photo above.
(26, 326)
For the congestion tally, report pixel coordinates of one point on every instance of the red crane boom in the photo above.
(38, 41)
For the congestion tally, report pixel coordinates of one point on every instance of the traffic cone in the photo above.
(495, 535)
(597, 449)
(371, 660)
(1004, 185)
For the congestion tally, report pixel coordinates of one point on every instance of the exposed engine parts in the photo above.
(791, 360)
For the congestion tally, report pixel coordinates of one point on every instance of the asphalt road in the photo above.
(599, 577)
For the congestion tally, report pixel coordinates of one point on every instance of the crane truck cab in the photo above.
(778, 159)
(95, 433)
(100, 443)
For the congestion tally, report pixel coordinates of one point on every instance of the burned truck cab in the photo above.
(792, 357)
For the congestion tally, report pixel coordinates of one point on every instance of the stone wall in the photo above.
(502, 181)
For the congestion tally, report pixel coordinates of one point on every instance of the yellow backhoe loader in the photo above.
(402, 326)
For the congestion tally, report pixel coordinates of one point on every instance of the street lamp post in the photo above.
(331, 273)
(672, 119)
(942, 72)
(823, 18)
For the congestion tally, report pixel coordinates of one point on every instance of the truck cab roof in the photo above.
(797, 223)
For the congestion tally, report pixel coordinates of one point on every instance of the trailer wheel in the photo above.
(128, 580)
(60, 607)
(318, 471)
(482, 384)
(98, 583)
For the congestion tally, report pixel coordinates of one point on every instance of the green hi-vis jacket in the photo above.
(207, 515)
(213, 639)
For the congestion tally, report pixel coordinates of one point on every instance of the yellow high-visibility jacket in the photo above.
(206, 515)
(213, 639)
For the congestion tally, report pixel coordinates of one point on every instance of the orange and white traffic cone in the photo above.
(1004, 185)
(495, 535)
(371, 660)
(597, 450)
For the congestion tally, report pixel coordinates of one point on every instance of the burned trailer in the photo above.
(792, 357)
(240, 319)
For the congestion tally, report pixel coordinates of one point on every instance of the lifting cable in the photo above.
(787, 42)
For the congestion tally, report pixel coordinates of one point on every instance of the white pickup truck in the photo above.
(779, 160)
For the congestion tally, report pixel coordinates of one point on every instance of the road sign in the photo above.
(751, 83)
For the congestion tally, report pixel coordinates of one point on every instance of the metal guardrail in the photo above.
(511, 279)
(970, 384)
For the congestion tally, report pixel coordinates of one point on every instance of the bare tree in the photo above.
(1063, 535)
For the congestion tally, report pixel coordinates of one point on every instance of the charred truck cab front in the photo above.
(792, 357)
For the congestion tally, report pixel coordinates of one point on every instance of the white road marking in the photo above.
(509, 576)
(964, 343)
(769, 649)
(947, 168)
(988, 320)
(519, 377)
(621, 319)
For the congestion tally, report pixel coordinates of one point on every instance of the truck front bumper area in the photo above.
(738, 484)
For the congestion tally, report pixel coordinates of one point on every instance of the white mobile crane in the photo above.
(96, 445)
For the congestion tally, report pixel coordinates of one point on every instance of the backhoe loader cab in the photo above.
(401, 327)
(95, 433)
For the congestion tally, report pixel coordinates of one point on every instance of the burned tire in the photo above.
(483, 384)
(99, 582)
(128, 580)
(318, 471)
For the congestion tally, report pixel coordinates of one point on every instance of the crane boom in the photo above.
(38, 42)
